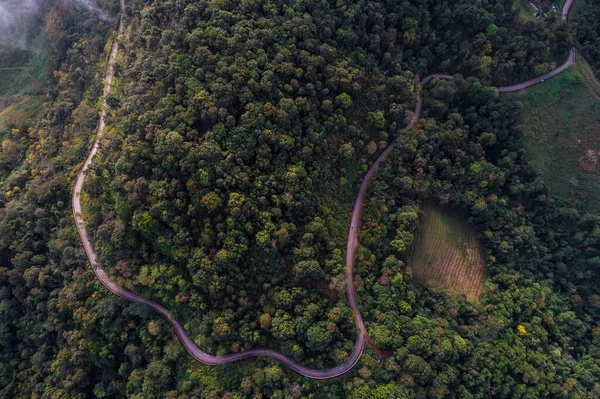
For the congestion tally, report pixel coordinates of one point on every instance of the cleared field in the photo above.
(17, 109)
(562, 122)
(525, 11)
(25, 72)
(23, 80)
(446, 253)
(19, 81)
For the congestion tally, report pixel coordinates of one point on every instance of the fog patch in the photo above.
(92, 6)
(18, 16)
(15, 18)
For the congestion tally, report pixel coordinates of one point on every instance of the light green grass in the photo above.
(562, 121)
(20, 95)
(16, 82)
(37, 62)
(16, 110)
(525, 12)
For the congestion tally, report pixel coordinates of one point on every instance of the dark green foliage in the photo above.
(586, 29)
(533, 310)
(234, 126)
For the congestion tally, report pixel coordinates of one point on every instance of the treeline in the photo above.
(586, 29)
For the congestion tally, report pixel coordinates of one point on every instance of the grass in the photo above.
(446, 253)
(562, 137)
(31, 78)
(17, 82)
(15, 110)
(23, 80)
(577, 7)
(525, 12)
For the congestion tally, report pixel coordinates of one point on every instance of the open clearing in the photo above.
(446, 253)
(562, 120)
(17, 109)
(22, 81)
(525, 11)
(24, 72)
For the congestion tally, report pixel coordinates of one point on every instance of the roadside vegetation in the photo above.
(585, 27)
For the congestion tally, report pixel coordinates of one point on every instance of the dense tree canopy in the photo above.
(586, 28)
(238, 135)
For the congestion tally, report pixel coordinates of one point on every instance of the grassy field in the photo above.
(525, 11)
(27, 74)
(23, 80)
(15, 110)
(446, 253)
(562, 121)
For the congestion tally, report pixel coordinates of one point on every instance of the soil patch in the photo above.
(446, 253)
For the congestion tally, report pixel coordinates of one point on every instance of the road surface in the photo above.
(352, 244)
(566, 9)
(539, 79)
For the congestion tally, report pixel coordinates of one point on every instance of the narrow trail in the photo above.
(193, 349)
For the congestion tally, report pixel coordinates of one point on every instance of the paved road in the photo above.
(539, 79)
(352, 244)
(566, 10)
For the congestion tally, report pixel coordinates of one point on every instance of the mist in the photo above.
(92, 6)
(17, 16)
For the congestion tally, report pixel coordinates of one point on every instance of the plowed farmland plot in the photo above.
(446, 253)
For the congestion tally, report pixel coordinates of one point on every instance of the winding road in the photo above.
(352, 244)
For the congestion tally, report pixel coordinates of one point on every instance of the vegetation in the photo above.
(18, 110)
(586, 29)
(22, 81)
(25, 71)
(472, 160)
(446, 252)
(525, 11)
(562, 140)
(238, 135)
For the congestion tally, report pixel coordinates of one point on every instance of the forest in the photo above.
(587, 32)
(238, 134)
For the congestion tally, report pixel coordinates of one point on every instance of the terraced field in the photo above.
(446, 253)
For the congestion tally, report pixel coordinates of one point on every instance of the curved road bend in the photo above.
(534, 81)
(183, 336)
(566, 9)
